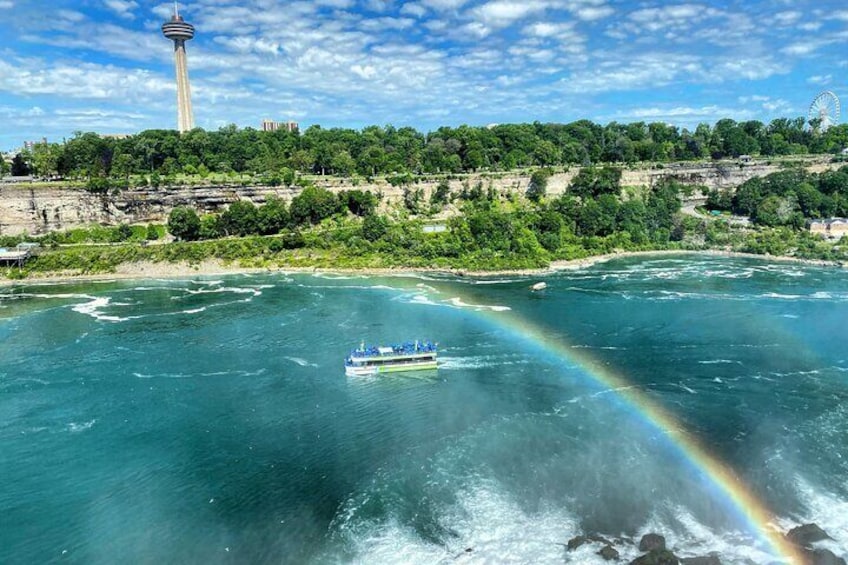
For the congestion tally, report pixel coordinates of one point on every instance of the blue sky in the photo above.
(103, 65)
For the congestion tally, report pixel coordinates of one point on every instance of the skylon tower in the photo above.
(179, 31)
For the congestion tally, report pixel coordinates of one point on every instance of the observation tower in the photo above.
(179, 31)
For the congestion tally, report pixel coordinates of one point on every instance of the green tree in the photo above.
(538, 185)
(767, 212)
(440, 195)
(360, 203)
(313, 205)
(374, 227)
(45, 159)
(210, 227)
(273, 216)
(19, 166)
(122, 166)
(240, 218)
(184, 224)
(152, 233)
(593, 181)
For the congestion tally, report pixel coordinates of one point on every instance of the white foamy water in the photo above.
(94, 309)
(456, 301)
(486, 525)
(76, 427)
(300, 361)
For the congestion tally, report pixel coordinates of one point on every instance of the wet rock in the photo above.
(711, 559)
(577, 541)
(657, 557)
(651, 542)
(822, 557)
(609, 553)
(807, 535)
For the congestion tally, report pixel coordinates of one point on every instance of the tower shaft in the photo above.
(185, 115)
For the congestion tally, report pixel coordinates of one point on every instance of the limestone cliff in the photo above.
(38, 209)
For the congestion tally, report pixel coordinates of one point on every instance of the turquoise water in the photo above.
(210, 420)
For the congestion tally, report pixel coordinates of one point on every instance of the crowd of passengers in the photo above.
(406, 348)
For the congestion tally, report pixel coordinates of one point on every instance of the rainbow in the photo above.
(735, 495)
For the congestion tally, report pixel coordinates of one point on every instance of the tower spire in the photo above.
(179, 31)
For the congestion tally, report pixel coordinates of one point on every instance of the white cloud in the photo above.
(123, 8)
(367, 71)
(501, 13)
(788, 17)
(413, 9)
(548, 29)
(591, 13)
(821, 80)
(803, 48)
(444, 5)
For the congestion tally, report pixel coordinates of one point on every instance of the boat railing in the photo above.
(408, 348)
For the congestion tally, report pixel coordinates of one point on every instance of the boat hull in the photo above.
(366, 370)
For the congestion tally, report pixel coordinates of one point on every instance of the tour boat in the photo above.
(409, 356)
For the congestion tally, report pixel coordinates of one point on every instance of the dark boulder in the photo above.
(807, 535)
(609, 553)
(577, 541)
(651, 542)
(822, 557)
(657, 557)
(711, 559)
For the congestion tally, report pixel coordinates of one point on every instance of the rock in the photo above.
(609, 553)
(650, 542)
(711, 559)
(577, 541)
(657, 557)
(807, 535)
(822, 557)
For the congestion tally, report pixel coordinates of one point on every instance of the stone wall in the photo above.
(39, 209)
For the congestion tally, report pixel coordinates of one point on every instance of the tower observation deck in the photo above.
(179, 31)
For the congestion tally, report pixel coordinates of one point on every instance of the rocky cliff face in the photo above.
(38, 209)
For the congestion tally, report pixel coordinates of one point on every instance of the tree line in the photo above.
(376, 150)
(787, 198)
(490, 222)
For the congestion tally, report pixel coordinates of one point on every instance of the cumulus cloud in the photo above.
(124, 8)
(501, 13)
(418, 62)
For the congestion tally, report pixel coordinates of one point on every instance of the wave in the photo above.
(300, 361)
(486, 525)
(479, 362)
(74, 427)
(457, 301)
(236, 373)
(826, 509)
(94, 307)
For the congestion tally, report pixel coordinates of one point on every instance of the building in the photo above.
(271, 125)
(179, 31)
(28, 145)
(832, 228)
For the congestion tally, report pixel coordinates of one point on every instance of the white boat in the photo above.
(539, 286)
(409, 356)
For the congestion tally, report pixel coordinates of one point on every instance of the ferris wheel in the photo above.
(824, 109)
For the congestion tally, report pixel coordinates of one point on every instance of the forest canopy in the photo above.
(377, 150)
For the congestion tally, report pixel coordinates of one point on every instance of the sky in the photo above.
(104, 66)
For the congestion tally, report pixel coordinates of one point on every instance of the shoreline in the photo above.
(212, 267)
